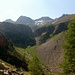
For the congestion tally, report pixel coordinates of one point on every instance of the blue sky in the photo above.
(35, 8)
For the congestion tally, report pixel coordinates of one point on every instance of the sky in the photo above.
(13, 9)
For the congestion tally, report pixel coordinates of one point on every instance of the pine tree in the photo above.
(69, 50)
(35, 66)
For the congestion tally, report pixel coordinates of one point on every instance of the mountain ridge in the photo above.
(9, 20)
(30, 22)
(40, 21)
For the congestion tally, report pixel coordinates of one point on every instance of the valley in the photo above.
(33, 46)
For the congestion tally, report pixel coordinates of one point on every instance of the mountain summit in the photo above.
(25, 20)
(43, 20)
(9, 20)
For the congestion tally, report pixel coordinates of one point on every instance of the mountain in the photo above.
(48, 30)
(9, 20)
(43, 20)
(30, 22)
(20, 34)
(43, 33)
(25, 20)
(64, 15)
(64, 18)
(33, 23)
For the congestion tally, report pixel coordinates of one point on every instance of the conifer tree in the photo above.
(69, 50)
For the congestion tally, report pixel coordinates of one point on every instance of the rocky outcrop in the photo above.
(3, 41)
(9, 71)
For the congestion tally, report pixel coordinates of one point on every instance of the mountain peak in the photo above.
(9, 20)
(43, 20)
(23, 17)
(24, 20)
(63, 15)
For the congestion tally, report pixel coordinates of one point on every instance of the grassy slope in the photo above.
(28, 52)
(64, 19)
(51, 52)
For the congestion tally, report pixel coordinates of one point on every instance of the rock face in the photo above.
(8, 71)
(3, 41)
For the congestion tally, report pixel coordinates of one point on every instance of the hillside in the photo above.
(64, 18)
(60, 27)
(45, 32)
(9, 54)
(21, 35)
(51, 52)
(48, 30)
